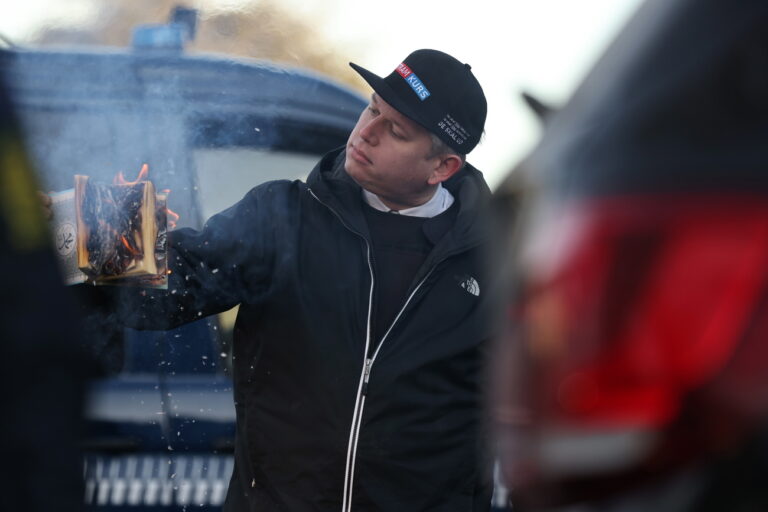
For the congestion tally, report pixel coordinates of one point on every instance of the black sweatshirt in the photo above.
(324, 422)
(400, 246)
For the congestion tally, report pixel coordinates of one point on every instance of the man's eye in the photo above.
(373, 111)
(397, 135)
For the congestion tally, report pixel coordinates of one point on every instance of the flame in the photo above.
(143, 173)
(173, 217)
(128, 246)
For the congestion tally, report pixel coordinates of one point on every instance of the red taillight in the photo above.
(631, 303)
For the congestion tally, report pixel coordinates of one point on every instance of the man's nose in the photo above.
(370, 132)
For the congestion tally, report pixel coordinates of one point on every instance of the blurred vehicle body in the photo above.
(634, 370)
(161, 425)
(34, 396)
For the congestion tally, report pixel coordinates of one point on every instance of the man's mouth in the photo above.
(358, 155)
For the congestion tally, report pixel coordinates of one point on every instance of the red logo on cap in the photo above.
(404, 70)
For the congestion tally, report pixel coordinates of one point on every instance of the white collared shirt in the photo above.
(441, 201)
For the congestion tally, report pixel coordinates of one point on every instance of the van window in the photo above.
(224, 175)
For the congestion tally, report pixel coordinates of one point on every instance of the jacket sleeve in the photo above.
(227, 262)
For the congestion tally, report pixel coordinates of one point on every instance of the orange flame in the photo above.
(143, 173)
(173, 217)
(128, 245)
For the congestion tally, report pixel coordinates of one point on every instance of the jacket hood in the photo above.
(332, 185)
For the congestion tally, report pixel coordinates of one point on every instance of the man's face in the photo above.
(387, 155)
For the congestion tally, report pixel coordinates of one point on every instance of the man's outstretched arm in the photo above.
(225, 263)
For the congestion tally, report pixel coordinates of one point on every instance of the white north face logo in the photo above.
(470, 284)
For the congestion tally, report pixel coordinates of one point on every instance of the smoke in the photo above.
(102, 113)
(208, 127)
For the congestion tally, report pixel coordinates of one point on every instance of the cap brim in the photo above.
(386, 93)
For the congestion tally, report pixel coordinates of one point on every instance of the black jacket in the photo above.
(324, 421)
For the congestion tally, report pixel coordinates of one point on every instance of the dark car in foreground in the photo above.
(160, 420)
(634, 370)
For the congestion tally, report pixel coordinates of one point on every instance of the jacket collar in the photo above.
(332, 185)
(440, 201)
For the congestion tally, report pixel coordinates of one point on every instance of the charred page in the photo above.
(119, 233)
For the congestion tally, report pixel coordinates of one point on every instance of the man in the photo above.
(363, 298)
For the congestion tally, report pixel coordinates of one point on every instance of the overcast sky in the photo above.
(541, 46)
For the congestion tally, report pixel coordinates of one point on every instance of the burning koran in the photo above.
(112, 233)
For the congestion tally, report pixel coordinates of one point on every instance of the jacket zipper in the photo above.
(362, 391)
(357, 414)
(355, 433)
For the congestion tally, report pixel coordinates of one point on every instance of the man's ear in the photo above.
(448, 165)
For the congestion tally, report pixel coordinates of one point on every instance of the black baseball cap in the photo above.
(438, 92)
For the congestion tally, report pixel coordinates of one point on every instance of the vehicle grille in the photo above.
(154, 480)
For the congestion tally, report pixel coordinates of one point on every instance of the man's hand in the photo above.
(45, 201)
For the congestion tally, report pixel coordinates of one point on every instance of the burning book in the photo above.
(112, 233)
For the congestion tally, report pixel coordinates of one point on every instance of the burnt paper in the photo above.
(112, 234)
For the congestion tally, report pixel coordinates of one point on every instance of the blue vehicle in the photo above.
(160, 423)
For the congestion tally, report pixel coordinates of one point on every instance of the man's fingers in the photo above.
(46, 202)
(44, 198)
